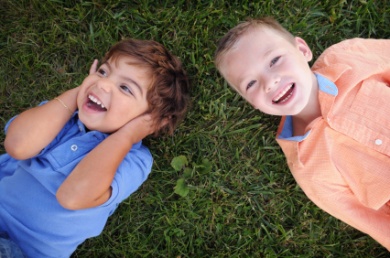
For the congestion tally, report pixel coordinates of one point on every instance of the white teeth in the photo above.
(281, 94)
(95, 100)
(286, 98)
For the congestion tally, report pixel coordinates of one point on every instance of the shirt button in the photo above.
(378, 142)
(73, 147)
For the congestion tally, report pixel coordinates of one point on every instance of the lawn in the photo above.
(219, 186)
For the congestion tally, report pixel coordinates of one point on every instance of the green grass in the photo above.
(242, 201)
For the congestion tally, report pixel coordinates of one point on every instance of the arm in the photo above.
(89, 184)
(35, 128)
(343, 204)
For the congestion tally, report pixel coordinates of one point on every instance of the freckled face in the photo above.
(114, 95)
(271, 73)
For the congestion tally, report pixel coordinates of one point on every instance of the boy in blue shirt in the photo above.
(72, 160)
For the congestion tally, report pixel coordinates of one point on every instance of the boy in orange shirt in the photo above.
(335, 127)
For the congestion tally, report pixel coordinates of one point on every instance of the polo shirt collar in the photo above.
(97, 134)
(325, 86)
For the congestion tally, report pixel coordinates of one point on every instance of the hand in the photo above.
(138, 128)
(93, 67)
(76, 90)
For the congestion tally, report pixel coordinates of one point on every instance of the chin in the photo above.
(106, 130)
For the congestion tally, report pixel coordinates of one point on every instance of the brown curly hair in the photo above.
(168, 94)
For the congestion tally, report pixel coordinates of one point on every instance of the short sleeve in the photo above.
(8, 123)
(132, 172)
(65, 131)
(12, 119)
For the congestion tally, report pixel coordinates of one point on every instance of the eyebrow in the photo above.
(131, 81)
(268, 52)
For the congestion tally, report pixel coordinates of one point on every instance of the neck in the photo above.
(309, 113)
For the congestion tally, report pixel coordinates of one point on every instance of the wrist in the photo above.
(68, 99)
(63, 104)
(126, 135)
(122, 139)
(131, 133)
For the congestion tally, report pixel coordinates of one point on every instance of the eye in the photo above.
(126, 89)
(274, 61)
(250, 84)
(102, 72)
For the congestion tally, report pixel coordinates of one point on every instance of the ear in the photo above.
(304, 48)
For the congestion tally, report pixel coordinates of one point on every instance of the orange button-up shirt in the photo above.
(342, 163)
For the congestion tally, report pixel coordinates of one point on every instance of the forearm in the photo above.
(375, 223)
(346, 207)
(89, 184)
(35, 128)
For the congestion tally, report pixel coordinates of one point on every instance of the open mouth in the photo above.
(284, 95)
(95, 104)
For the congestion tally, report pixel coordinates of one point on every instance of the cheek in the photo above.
(255, 97)
(125, 110)
(255, 103)
(84, 86)
(87, 81)
(81, 96)
(258, 105)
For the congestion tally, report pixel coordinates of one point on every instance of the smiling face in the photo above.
(270, 72)
(114, 95)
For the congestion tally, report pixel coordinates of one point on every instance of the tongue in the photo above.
(95, 106)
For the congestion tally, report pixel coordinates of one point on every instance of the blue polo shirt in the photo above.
(29, 211)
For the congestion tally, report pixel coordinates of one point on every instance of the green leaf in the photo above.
(187, 172)
(206, 166)
(179, 162)
(181, 188)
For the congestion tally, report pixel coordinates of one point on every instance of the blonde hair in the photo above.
(232, 36)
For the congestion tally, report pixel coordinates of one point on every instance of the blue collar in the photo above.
(324, 85)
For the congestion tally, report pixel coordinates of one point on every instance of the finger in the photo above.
(93, 67)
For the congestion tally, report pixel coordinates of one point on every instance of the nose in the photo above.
(105, 84)
(271, 83)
